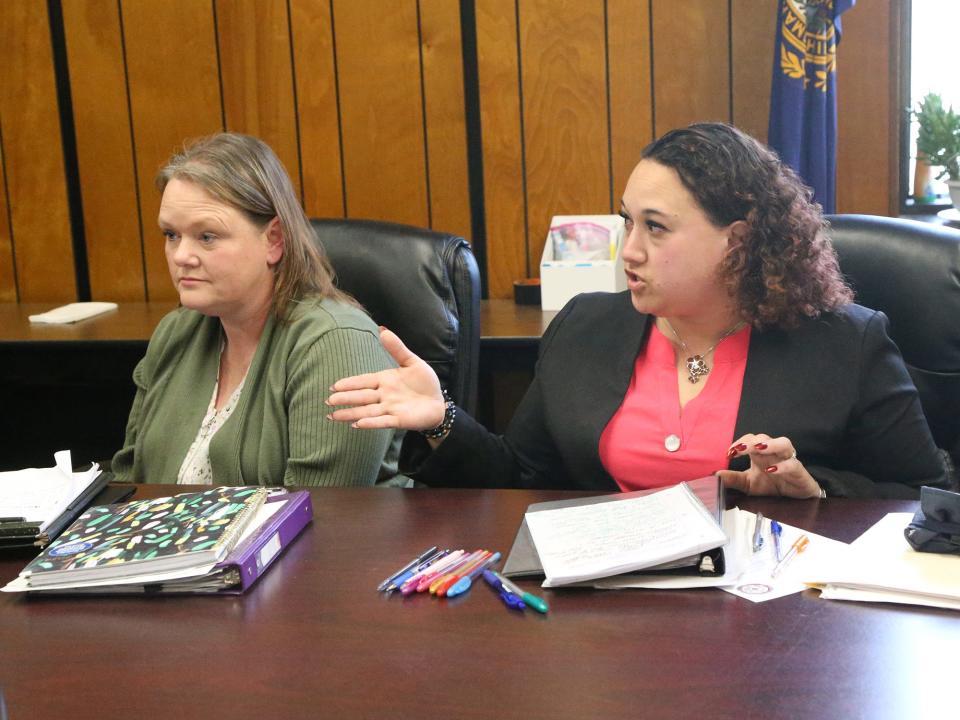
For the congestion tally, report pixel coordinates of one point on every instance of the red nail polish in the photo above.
(731, 452)
(771, 469)
(741, 447)
(761, 446)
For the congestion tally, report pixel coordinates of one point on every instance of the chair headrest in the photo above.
(420, 283)
(911, 271)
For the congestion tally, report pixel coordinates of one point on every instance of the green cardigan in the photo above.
(278, 432)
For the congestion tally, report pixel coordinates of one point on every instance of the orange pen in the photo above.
(450, 578)
(799, 545)
(432, 582)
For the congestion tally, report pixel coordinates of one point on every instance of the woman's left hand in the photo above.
(774, 469)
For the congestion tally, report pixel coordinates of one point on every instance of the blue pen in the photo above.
(416, 561)
(775, 531)
(538, 604)
(398, 581)
(758, 532)
(464, 583)
(509, 599)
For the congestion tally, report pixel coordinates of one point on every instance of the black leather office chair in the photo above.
(911, 271)
(423, 285)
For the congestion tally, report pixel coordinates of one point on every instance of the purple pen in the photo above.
(398, 582)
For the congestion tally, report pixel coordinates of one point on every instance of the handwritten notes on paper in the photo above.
(41, 494)
(593, 541)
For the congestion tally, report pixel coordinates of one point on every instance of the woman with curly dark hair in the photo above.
(736, 350)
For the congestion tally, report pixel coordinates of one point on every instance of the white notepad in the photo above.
(73, 312)
(587, 542)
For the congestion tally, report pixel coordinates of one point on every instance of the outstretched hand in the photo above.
(774, 469)
(407, 397)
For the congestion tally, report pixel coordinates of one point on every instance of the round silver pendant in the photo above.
(672, 443)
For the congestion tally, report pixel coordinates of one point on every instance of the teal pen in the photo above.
(529, 600)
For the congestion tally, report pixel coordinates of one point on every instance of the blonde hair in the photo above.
(243, 172)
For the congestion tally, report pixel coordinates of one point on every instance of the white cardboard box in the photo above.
(560, 280)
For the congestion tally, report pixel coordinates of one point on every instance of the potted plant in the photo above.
(939, 140)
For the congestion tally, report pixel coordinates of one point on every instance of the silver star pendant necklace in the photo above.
(696, 364)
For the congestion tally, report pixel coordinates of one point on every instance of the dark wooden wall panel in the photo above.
(446, 127)
(631, 110)
(753, 25)
(8, 281)
(363, 100)
(317, 108)
(168, 107)
(501, 127)
(691, 62)
(864, 127)
(562, 45)
(104, 149)
(36, 180)
(257, 75)
(381, 106)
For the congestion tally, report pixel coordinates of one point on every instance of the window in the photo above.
(930, 51)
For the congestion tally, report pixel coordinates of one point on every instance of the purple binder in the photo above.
(254, 555)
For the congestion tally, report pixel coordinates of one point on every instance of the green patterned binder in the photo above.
(148, 536)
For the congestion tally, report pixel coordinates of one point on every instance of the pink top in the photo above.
(633, 446)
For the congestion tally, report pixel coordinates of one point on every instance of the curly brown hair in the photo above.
(785, 268)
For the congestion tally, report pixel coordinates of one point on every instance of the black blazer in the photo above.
(836, 386)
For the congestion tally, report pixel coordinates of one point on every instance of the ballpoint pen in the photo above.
(447, 564)
(776, 529)
(401, 579)
(799, 545)
(465, 581)
(446, 577)
(758, 532)
(453, 577)
(410, 585)
(530, 600)
(416, 561)
(433, 574)
(511, 600)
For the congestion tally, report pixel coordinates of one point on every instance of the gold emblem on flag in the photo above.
(808, 47)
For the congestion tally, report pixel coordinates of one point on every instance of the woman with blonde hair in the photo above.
(232, 386)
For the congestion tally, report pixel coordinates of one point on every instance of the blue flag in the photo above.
(803, 98)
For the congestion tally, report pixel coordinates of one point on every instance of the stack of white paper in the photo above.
(880, 566)
(73, 312)
(43, 494)
(748, 573)
(592, 541)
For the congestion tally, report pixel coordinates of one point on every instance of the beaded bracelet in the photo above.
(450, 412)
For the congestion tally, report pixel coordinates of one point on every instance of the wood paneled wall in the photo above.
(38, 251)
(364, 102)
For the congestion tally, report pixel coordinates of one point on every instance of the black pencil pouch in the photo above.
(936, 525)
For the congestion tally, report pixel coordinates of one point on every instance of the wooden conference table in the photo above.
(502, 322)
(314, 640)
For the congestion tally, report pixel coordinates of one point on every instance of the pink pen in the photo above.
(424, 581)
(410, 586)
(429, 580)
(440, 587)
